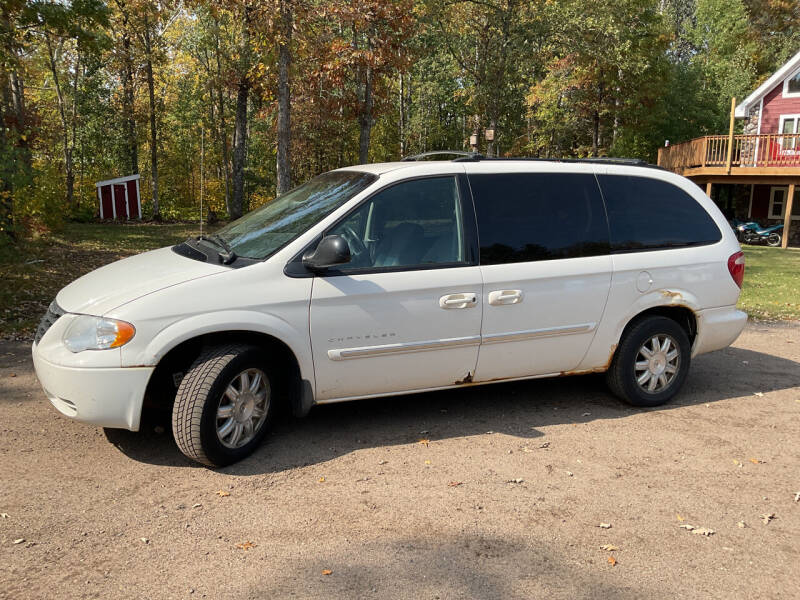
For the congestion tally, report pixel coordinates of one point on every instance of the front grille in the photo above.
(54, 311)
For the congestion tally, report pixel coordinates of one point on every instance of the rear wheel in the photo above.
(774, 239)
(652, 362)
(224, 404)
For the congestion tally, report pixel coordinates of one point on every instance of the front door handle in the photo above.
(501, 297)
(465, 300)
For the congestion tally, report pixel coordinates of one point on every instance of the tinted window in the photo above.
(646, 213)
(411, 223)
(535, 216)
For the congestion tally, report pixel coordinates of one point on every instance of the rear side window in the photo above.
(647, 214)
(526, 217)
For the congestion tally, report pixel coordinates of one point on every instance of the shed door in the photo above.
(119, 201)
(105, 194)
(134, 208)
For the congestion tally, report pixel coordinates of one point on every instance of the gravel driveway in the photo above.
(481, 492)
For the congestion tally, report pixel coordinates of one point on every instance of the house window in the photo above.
(789, 124)
(777, 204)
(791, 85)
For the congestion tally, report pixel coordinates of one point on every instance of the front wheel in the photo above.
(224, 404)
(774, 239)
(651, 363)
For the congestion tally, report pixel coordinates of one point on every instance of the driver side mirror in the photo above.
(331, 251)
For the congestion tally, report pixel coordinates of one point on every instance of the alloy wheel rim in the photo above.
(243, 408)
(657, 363)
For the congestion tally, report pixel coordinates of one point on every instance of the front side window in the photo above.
(789, 125)
(265, 230)
(413, 223)
(526, 217)
(650, 214)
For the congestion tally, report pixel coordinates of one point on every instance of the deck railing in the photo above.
(748, 151)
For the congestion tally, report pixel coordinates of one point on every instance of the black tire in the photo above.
(194, 414)
(621, 376)
(774, 239)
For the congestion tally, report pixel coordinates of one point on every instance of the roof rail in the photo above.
(460, 153)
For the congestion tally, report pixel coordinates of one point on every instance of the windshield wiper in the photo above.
(226, 257)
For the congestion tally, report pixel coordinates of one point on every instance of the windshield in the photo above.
(263, 231)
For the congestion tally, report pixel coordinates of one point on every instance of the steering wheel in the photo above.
(357, 247)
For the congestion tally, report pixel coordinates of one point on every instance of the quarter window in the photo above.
(526, 217)
(648, 214)
(413, 223)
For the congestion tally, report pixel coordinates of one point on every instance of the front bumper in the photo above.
(718, 328)
(107, 397)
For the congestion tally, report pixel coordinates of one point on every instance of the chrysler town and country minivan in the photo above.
(386, 279)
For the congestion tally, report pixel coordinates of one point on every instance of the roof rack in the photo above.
(462, 154)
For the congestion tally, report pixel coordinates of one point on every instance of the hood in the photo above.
(118, 283)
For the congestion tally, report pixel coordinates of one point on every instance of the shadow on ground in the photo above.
(515, 408)
(461, 566)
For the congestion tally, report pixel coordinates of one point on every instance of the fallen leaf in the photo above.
(605, 526)
(424, 442)
(736, 462)
(741, 524)
(703, 531)
(322, 480)
(223, 493)
(145, 540)
(766, 518)
(796, 498)
(327, 572)
(759, 394)
(586, 414)
(454, 484)
(569, 473)
(5, 515)
(680, 518)
(755, 461)
(196, 505)
(382, 462)
(246, 545)
(545, 445)
(612, 561)
(427, 462)
(518, 480)
(686, 526)
(19, 541)
(608, 547)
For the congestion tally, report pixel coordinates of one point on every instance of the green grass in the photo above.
(771, 289)
(32, 272)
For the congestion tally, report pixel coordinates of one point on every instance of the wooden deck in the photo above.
(766, 155)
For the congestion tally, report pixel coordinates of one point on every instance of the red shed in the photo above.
(119, 198)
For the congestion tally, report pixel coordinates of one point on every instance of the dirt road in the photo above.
(482, 492)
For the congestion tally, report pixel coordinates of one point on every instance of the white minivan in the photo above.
(385, 279)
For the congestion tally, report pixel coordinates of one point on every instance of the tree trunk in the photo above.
(365, 117)
(402, 117)
(127, 92)
(284, 166)
(225, 151)
(595, 133)
(69, 175)
(240, 133)
(148, 47)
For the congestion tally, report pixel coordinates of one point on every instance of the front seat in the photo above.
(401, 245)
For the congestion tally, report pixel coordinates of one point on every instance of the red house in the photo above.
(752, 176)
(119, 198)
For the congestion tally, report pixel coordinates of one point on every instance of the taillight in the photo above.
(736, 267)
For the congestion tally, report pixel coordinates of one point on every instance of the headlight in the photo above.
(97, 333)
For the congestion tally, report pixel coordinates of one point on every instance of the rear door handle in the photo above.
(501, 297)
(465, 300)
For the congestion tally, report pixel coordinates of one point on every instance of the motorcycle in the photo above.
(741, 227)
(771, 235)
